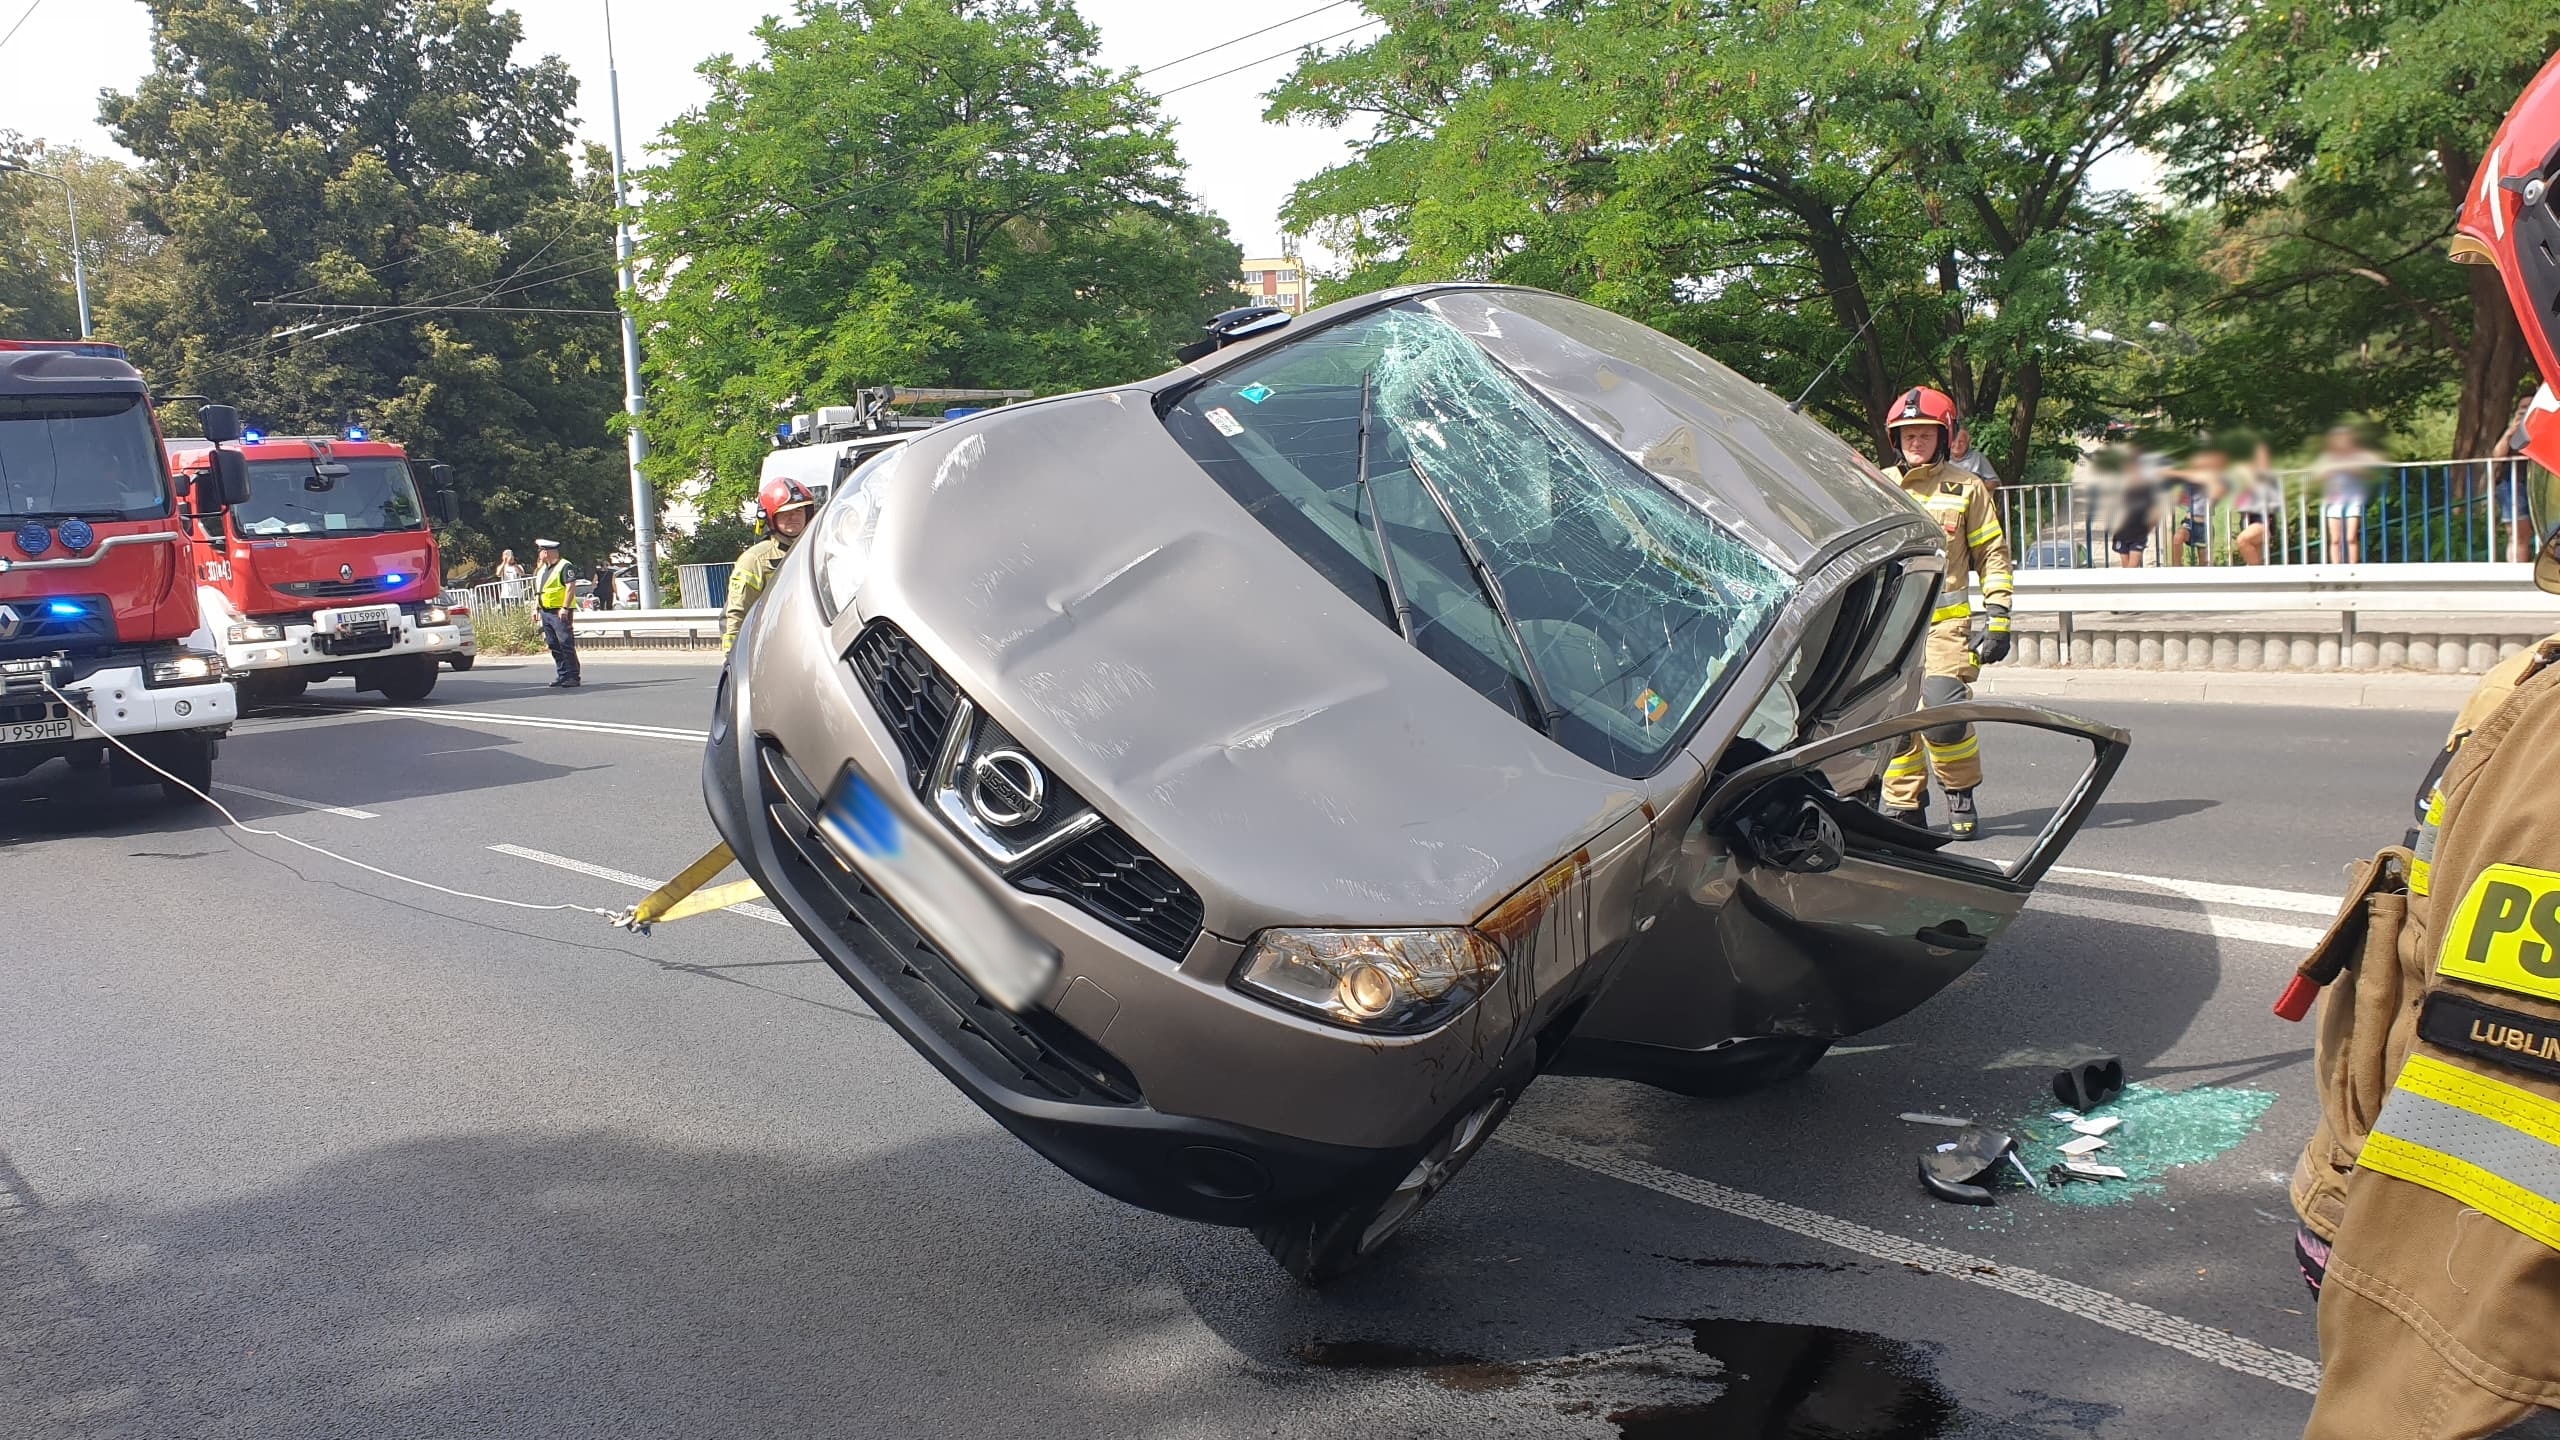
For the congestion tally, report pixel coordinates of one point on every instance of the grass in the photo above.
(508, 630)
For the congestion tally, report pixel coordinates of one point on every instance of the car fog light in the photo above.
(1399, 981)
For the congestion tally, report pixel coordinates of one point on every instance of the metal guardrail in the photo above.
(2418, 588)
(2417, 512)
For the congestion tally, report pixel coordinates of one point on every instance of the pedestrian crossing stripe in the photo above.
(2492, 1146)
(2506, 932)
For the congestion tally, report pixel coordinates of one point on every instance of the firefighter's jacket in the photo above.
(1977, 548)
(2435, 1169)
(747, 580)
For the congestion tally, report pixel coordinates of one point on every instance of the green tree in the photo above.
(392, 159)
(920, 192)
(36, 295)
(2339, 142)
(1766, 180)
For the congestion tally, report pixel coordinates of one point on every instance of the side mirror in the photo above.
(221, 423)
(229, 472)
(440, 476)
(448, 509)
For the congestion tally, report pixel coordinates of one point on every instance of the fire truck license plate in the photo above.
(372, 621)
(31, 731)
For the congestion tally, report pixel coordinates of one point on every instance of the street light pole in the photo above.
(644, 504)
(71, 199)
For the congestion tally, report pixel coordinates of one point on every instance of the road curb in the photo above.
(2439, 693)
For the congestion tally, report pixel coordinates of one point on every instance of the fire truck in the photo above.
(100, 633)
(822, 446)
(327, 567)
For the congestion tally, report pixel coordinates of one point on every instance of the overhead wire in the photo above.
(22, 20)
(1240, 39)
(1267, 59)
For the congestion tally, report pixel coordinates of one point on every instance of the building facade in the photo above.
(1276, 280)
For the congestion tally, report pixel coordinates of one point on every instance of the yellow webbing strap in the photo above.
(684, 896)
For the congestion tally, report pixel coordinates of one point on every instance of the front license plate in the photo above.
(944, 901)
(370, 621)
(29, 732)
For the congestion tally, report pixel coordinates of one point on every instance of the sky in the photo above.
(69, 50)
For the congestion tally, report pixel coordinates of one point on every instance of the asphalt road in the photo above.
(290, 1149)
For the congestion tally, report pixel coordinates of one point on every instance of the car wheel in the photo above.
(272, 689)
(1754, 1064)
(408, 684)
(1328, 1243)
(88, 757)
(462, 662)
(190, 761)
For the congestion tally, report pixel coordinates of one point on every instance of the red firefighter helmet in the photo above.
(2511, 219)
(783, 493)
(1921, 405)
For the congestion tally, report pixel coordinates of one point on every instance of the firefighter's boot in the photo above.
(1912, 815)
(1961, 816)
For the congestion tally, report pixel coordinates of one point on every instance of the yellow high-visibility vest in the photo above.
(557, 585)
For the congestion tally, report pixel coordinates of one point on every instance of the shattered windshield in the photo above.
(90, 456)
(1527, 557)
(290, 497)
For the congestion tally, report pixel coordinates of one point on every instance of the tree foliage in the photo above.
(383, 153)
(921, 192)
(37, 300)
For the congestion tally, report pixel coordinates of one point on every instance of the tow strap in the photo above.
(684, 896)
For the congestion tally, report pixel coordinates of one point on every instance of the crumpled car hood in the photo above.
(1295, 760)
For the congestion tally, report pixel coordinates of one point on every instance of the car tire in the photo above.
(87, 758)
(272, 689)
(1754, 1065)
(461, 662)
(410, 683)
(1331, 1241)
(190, 761)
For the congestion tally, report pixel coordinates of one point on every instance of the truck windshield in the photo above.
(287, 497)
(90, 456)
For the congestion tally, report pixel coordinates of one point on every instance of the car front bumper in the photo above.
(307, 646)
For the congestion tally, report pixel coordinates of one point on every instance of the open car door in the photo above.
(1789, 912)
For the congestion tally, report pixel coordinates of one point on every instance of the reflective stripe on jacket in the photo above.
(1976, 545)
(747, 580)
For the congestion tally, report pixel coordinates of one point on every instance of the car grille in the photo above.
(912, 693)
(1105, 874)
(336, 589)
(1033, 1054)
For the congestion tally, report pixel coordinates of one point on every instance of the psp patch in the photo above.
(2506, 933)
(2487, 1032)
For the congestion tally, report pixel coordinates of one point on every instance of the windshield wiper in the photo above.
(1548, 711)
(1406, 625)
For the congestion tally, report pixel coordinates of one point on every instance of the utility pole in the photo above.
(644, 502)
(79, 278)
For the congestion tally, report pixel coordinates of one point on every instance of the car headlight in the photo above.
(256, 632)
(434, 615)
(845, 529)
(187, 667)
(1397, 981)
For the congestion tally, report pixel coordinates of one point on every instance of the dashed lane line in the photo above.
(2127, 1317)
(752, 911)
(2248, 897)
(272, 797)
(2188, 922)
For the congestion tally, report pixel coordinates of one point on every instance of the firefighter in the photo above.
(786, 505)
(1923, 424)
(2430, 1193)
(555, 594)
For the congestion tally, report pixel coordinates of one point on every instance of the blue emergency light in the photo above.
(67, 609)
(355, 432)
(75, 533)
(252, 435)
(34, 539)
(394, 579)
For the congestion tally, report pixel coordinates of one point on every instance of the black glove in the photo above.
(1991, 641)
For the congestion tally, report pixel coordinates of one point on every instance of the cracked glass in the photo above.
(1526, 556)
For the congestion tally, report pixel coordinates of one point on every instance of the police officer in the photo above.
(555, 594)
(787, 505)
(2430, 1193)
(1923, 425)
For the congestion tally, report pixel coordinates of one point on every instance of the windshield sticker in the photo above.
(1255, 393)
(1225, 422)
(1651, 707)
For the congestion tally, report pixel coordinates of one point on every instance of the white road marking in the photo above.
(2220, 1347)
(2190, 922)
(349, 811)
(2246, 896)
(752, 911)
(530, 722)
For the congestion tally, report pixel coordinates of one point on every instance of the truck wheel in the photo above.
(1333, 1240)
(408, 682)
(88, 757)
(461, 662)
(189, 760)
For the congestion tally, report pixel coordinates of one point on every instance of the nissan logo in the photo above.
(1007, 788)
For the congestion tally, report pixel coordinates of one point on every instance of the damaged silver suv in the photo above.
(1243, 783)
